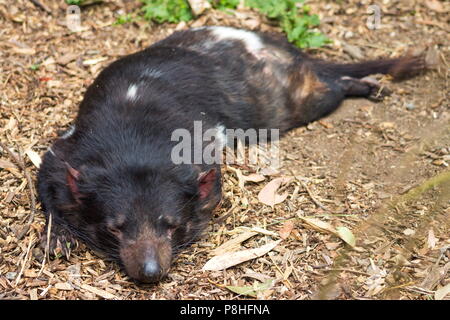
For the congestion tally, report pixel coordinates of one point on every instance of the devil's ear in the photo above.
(206, 181)
(72, 177)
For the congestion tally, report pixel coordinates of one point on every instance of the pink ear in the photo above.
(72, 177)
(206, 182)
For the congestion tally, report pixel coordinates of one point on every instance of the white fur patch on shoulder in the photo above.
(51, 151)
(220, 136)
(132, 92)
(68, 133)
(250, 39)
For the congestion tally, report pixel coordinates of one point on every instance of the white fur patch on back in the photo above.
(153, 73)
(250, 39)
(132, 92)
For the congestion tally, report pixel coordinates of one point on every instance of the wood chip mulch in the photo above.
(379, 170)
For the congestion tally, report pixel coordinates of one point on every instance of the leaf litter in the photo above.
(230, 259)
(351, 163)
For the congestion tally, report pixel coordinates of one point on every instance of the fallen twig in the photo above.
(311, 195)
(19, 161)
(25, 258)
(38, 4)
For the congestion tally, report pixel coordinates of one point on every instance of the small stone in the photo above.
(11, 275)
(38, 254)
(410, 106)
(199, 6)
(348, 35)
(181, 26)
(440, 162)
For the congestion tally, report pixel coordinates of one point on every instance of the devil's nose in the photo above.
(152, 270)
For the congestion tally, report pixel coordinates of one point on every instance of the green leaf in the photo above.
(35, 66)
(75, 2)
(224, 4)
(123, 19)
(294, 19)
(346, 235)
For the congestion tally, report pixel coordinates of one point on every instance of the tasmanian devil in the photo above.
(110, 181)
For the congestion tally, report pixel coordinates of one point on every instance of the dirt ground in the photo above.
(379, 169)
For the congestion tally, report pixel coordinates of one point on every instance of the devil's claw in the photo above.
(60, 243)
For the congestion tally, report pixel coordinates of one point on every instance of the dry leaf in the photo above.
(255, 275)
(269, 196)
(434, 275)
(342, 232)
(33, 294)
(12, 123)
(345, 234)
(91, 62)
(254, 177)
(264, 231)
(442, 292)
(242, 179)
(431, 240)
(435, 5)
(233, 244)
(269, 171)
(352, 50)
(240, 176)
(7, 165)
(332, 245)
(102, 293)
(286, 229)
(63, 286)
(376, 282)
(251, 290)
(432, 57)
(409, 232)
(34, 157)
(25, 51)
(326, 124)
(230, 259)
(319, 225)
(65, 59)
(387, 125)
(48, 61)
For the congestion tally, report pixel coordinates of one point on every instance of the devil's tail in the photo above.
(399, 68)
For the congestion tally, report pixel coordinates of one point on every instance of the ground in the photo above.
(379, 169)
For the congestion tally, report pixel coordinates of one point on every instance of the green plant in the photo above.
(293, 16)
(83, 2)
(167, 10)
(224, 4)
(75, 2)
(35, 66)
(295, 20)
(125, 18)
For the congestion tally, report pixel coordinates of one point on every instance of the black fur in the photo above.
(112, 183)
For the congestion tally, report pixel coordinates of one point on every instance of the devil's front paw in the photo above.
(59, 242)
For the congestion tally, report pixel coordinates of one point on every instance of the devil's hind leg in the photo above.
(366, 87)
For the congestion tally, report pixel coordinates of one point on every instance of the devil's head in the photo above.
(140, 216)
